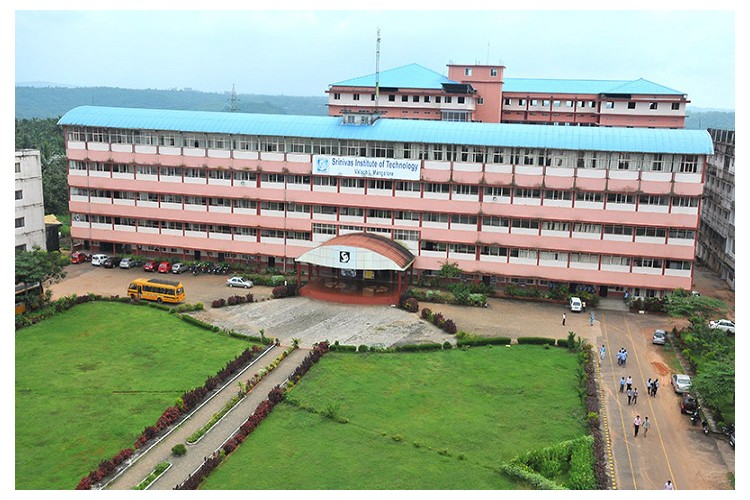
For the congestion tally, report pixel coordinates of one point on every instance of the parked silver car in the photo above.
(722, 324)
(659, 337)
(681, 383)
(239, 281)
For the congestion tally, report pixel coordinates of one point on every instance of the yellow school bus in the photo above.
(158, 290)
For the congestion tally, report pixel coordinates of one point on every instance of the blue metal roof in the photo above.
(639, 86)
(412, 76)
(678, 141)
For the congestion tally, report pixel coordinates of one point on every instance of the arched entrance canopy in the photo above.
(360, 251)
(356, 268)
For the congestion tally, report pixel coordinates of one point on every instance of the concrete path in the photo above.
(185, 465)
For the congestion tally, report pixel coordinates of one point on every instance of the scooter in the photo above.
(706, 430)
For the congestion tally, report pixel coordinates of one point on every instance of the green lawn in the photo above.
(90, 379)
(468, 410)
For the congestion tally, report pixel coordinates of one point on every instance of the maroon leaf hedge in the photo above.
(261, 412)
(185, 404)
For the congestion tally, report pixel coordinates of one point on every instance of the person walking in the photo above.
(635, 395)
(629, 382)
(565, 316)
(591, 318)
(624, 357)
(622, 384)
(630, 395)
(646, 424)
(668, 485)
(637, 424)
(602, 352)
(648, 386)
(654, 388)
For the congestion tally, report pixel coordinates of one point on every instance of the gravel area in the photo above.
(311, 321)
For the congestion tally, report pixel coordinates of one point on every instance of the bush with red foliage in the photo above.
(106, 467)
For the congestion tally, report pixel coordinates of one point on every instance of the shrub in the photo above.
(178, 450)
(449, 327)
(447, 345)
(218, 303)
(536, 340)
(562, 342)
(428, 346)
(427, 314)
(363, 348)
(411, 305)
(343, 348)
(281, 291)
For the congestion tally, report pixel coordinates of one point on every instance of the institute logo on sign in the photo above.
(344, 257)
(321, 165)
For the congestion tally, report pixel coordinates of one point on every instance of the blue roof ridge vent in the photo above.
(644, 140)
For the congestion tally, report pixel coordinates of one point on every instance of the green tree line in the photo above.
(47, 136)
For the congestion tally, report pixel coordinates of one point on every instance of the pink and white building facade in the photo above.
(482, 93)
(612, 209)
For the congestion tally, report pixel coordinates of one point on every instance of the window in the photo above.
(391, 97)
(522, 102)
(467, 71)
(433, 246)
(464, 219)
(434, 217)
(680, 265)
(408, 186)
(272, 178)
(581, 227)
(492, 221)
(587, 258)
(527, 193)
(401, 215)
(653, 105)
(480, 100)
(461, 248)
(620, 198)
(545, 103)
(554, 194)
(689, 164)
(684, 201)
(297, 208)
(355, 97)
(431, 187)
(646, 262)
(618, 230)
(493, 71)
(534, 102)
(379, 184)
(615, 260)
(506, 102)
(19, 194)
(18, 167)
(324, 209)
(652, 232)
(372, 97)
(379, 214)
(438, 99)
(631, 104)
(523, 253)
(20, 222)
(645, 199)
(525, 223)
(348, 182)
(556, 226)
(556, 256)
(609, 105)
(415, 98)
(404, 98)
(465, 189)
(681, 234)
(426, 98)
(461, 100)
(336, 96)
(675, 106)
(568, 104)
(324, 229)
(494, 250)
(493, 192)
(448, 99)
(555, 103)
(324, 181)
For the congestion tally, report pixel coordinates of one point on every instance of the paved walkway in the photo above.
(185, 465)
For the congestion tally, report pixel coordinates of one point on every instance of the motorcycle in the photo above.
(695, 417)
(729, 433)
(706, 430)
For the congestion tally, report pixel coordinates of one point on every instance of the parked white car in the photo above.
(575, 304)
(179, 268)
(98, 259)
(239, 281)
(681, 383)
(722, 324)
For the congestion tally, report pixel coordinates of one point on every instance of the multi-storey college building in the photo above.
(716, 238)
(30, 229)
(481, 93)
(613, 209)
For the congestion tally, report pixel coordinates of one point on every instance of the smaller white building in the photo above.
(30, 231)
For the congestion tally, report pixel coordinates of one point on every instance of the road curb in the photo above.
(605, 428)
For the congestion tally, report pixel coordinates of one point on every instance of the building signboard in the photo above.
(370, 168)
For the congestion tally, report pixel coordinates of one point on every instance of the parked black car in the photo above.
(688, 404)
(112, 262)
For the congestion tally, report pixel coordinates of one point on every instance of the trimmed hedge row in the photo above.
(536, 340)
(483, 341)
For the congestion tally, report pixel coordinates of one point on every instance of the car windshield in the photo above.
(683, 380)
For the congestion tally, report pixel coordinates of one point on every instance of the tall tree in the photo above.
(39, 266)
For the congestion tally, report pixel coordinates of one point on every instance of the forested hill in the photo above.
(52, 102)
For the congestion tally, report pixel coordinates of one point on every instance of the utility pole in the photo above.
(377, 72)
(233, 100)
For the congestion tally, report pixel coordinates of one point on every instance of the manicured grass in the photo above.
(487, 404)
(90, 379)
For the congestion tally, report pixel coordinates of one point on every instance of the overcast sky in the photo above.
(302, 52)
